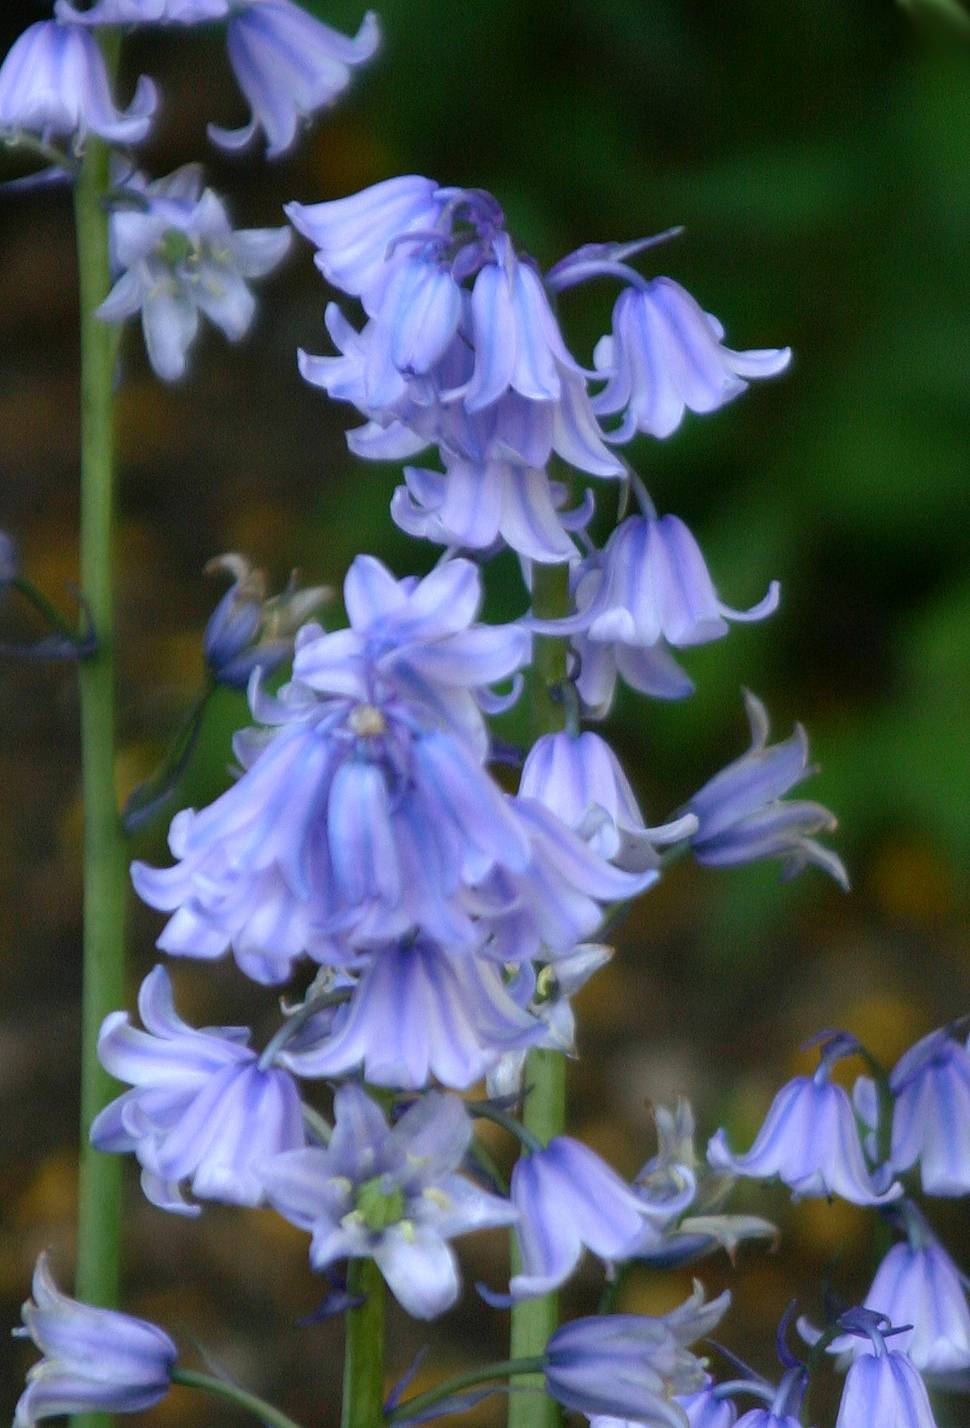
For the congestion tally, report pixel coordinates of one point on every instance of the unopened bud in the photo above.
(249, 630)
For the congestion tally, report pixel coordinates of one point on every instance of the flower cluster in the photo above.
(915, 1319)
(442, 917)
(289, 66)
(174, 253)
(366, 831)
(462, 349)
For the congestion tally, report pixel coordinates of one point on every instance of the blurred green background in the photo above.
(818, 153)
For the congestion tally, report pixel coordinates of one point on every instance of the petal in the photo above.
(420, 1269)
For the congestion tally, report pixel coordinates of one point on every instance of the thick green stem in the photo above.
(508, 1368)
(188, 1378)
(363, 1400)
(544, 1109)
(105, 871)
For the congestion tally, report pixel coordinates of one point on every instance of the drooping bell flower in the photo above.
(568, 1198)
(53, 83)
(810, 1141)
(742, 813)
(931, 1113)
(883, 1385)
(630, 1366)
(202, 1110)
(289, 65)
(95, 1360)
(145, 12)
(667, 356)
(420, 1013)
(579, 777)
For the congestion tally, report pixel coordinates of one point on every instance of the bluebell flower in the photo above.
(543, 910)
(629, 1366)
(567, 1198)
(249, 629)
(767, 1418)
(547, 994)
(810, 1141)
(666, 355)
(420, 638)
(703, 1409)
(364, 813)
(708, 1409)
(348, 827)
(483, 508)
(667, 1184)
(742, 815)
(515, 336)
(177, 256)
(289, 66)
(655, 588)
(579, 777)
(53, 83)
(931, 1113)
(353, 236)
(884, 1387)
(920, 1286)
(94, 1359)
(461, 350)
(200, 1110)
(145, 12)
(391, 1195)
(784, 1403)
(650, 669)
(419, 1013)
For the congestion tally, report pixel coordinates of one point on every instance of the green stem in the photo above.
(188, 1378)
(550, 601)
(507, 1368)
(544, 1110)
(363, 1400)
(105, 862)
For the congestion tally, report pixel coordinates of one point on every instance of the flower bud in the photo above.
(248, 630)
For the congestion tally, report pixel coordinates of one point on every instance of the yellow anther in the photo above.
(366, 721)
(437, 1197)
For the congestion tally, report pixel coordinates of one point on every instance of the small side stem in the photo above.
(507, 1368)
(188, 1378)
(363, 1389)
(105, 871)
(544, 1110)
(44, 607)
